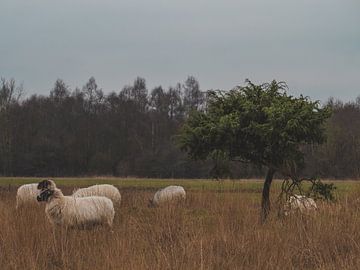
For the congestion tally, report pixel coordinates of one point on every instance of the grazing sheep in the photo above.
(300, 203)
(105, 190)
(170, 193)
(26, 195)
(68, 211)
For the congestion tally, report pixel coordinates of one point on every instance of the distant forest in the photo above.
(79, 132)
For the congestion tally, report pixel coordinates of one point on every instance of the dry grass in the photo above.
(211, 230)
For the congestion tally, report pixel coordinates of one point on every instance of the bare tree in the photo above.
(10, 94)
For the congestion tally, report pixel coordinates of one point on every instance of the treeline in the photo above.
(85, 132)
(339, 157)
(82, 131)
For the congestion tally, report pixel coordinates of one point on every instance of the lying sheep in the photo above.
(300, 203)
(68, 211)
(105, 190)
(26, 195)
(170, 193)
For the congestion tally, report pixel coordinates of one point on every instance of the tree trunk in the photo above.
(265, 201)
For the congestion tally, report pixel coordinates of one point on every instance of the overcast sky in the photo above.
(313, 45)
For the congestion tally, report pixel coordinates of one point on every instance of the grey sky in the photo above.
(312, 45)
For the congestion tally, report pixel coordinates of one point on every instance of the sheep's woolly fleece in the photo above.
(105, 190)
(68, 211)
(26, 195)
(300, 203)
(167, 194)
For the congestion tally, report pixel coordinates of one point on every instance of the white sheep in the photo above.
(26, 195)
(170, 193)
(300, 203)
(69, 211)
(104, 190)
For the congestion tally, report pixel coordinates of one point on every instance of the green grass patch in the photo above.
(251, 185)
(141, 183)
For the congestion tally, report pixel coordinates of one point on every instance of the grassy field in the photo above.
(215, 228)
(141, 182)
(241, 185)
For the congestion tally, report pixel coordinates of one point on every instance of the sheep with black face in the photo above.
(68, 211)
(46, 184)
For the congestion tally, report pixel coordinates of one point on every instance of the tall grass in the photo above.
(211, 230)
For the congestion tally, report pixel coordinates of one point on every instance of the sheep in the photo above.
(26, 195)
(105, 190)
(300, 203)
(167, 194)
(72, 212)
(46, 184)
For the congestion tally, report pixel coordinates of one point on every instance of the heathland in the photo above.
(217, 227)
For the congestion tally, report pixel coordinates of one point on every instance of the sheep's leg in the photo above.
(109, 226)
(18, 203)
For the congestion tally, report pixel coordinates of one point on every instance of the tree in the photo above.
(139, 93)
(259, 124)
(136, 93)
(193, 97)
(93, 95)
(159, 101)
(60, 91)
(176, 109)
(10, 95)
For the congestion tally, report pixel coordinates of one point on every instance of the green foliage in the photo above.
(221, 167)
(260, 124)
(323, 191)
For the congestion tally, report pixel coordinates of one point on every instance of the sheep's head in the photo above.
(45, 195)
(46, 184)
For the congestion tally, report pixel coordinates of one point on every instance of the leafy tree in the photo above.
(259, 124)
